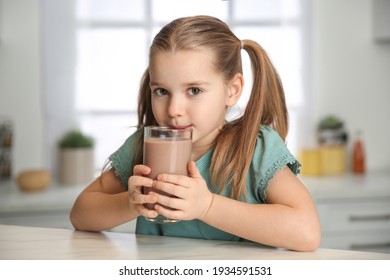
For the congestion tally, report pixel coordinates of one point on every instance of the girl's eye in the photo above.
(194, 91)
(160, 92)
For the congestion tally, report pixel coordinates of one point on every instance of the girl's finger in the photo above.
(135, 181)
(193, 170)
(141, 169)
(171, 189)
(139, 198)
(146, 212)
(173, 203)
(169, 213)
(175, 179)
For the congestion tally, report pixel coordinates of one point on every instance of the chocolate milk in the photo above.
(167, 156)
(164, 155)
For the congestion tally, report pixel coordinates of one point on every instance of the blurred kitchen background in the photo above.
(76, 65)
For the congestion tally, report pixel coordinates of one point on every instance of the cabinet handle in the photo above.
(365, 246)
(384, 217)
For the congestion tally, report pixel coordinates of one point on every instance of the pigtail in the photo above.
(266, 106)
(267, 91)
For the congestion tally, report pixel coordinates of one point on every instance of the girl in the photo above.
(242, 182)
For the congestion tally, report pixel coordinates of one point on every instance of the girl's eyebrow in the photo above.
(153, 83)
(196, 83)
(189, 84)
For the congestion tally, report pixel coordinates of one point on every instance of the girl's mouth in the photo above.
(181, 127)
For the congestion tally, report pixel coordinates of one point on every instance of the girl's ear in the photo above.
(234, 90)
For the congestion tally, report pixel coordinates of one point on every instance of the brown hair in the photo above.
(266, 105)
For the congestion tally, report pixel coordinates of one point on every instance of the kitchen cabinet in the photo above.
(354, 210)
(47, 208)
(6, 139)
(381, 20)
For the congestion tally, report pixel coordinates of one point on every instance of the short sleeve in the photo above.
(271, 155)
(123, 159)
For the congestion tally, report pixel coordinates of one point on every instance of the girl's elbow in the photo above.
(311, 233)
(312, 242)
(74, 221)
(311, 239)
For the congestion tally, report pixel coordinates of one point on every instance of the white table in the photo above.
(354, 210)
(19, 242)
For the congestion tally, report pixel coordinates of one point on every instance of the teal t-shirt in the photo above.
(270, 155)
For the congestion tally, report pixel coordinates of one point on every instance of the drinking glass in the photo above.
(166, 150)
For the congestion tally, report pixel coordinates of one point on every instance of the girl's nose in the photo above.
(176, 106)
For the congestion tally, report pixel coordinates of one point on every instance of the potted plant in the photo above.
(76, 158)
(331, 131)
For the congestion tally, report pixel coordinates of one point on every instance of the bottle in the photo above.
(358, 155)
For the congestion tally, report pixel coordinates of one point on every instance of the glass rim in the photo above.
(167, 128)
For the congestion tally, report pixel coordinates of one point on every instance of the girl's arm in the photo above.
(102, 205)
(105, 203)
(288, 220)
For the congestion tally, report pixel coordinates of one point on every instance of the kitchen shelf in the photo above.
(354, 210)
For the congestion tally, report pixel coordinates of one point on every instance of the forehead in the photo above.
(183, 64)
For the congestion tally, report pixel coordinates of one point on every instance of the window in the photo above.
(109, 49)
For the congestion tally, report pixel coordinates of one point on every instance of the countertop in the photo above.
(55, 197)
(27, 243)
(351, 186)
(62, 197)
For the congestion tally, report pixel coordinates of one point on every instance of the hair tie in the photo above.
(242, 44)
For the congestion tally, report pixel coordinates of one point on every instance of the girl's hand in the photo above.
(136, 196)
(192, 197)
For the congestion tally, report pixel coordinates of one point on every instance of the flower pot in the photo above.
(76, 165)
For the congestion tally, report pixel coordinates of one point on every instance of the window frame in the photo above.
(58, 125)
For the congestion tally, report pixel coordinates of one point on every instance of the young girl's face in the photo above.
(188, 92)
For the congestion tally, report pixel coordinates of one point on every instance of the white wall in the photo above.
(20, 79)
(350, 78)
(352, 73)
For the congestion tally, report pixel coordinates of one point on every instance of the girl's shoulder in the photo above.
(130, 144)
(135, 137)
(122, 159)
(271, 154)
(267, 132)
